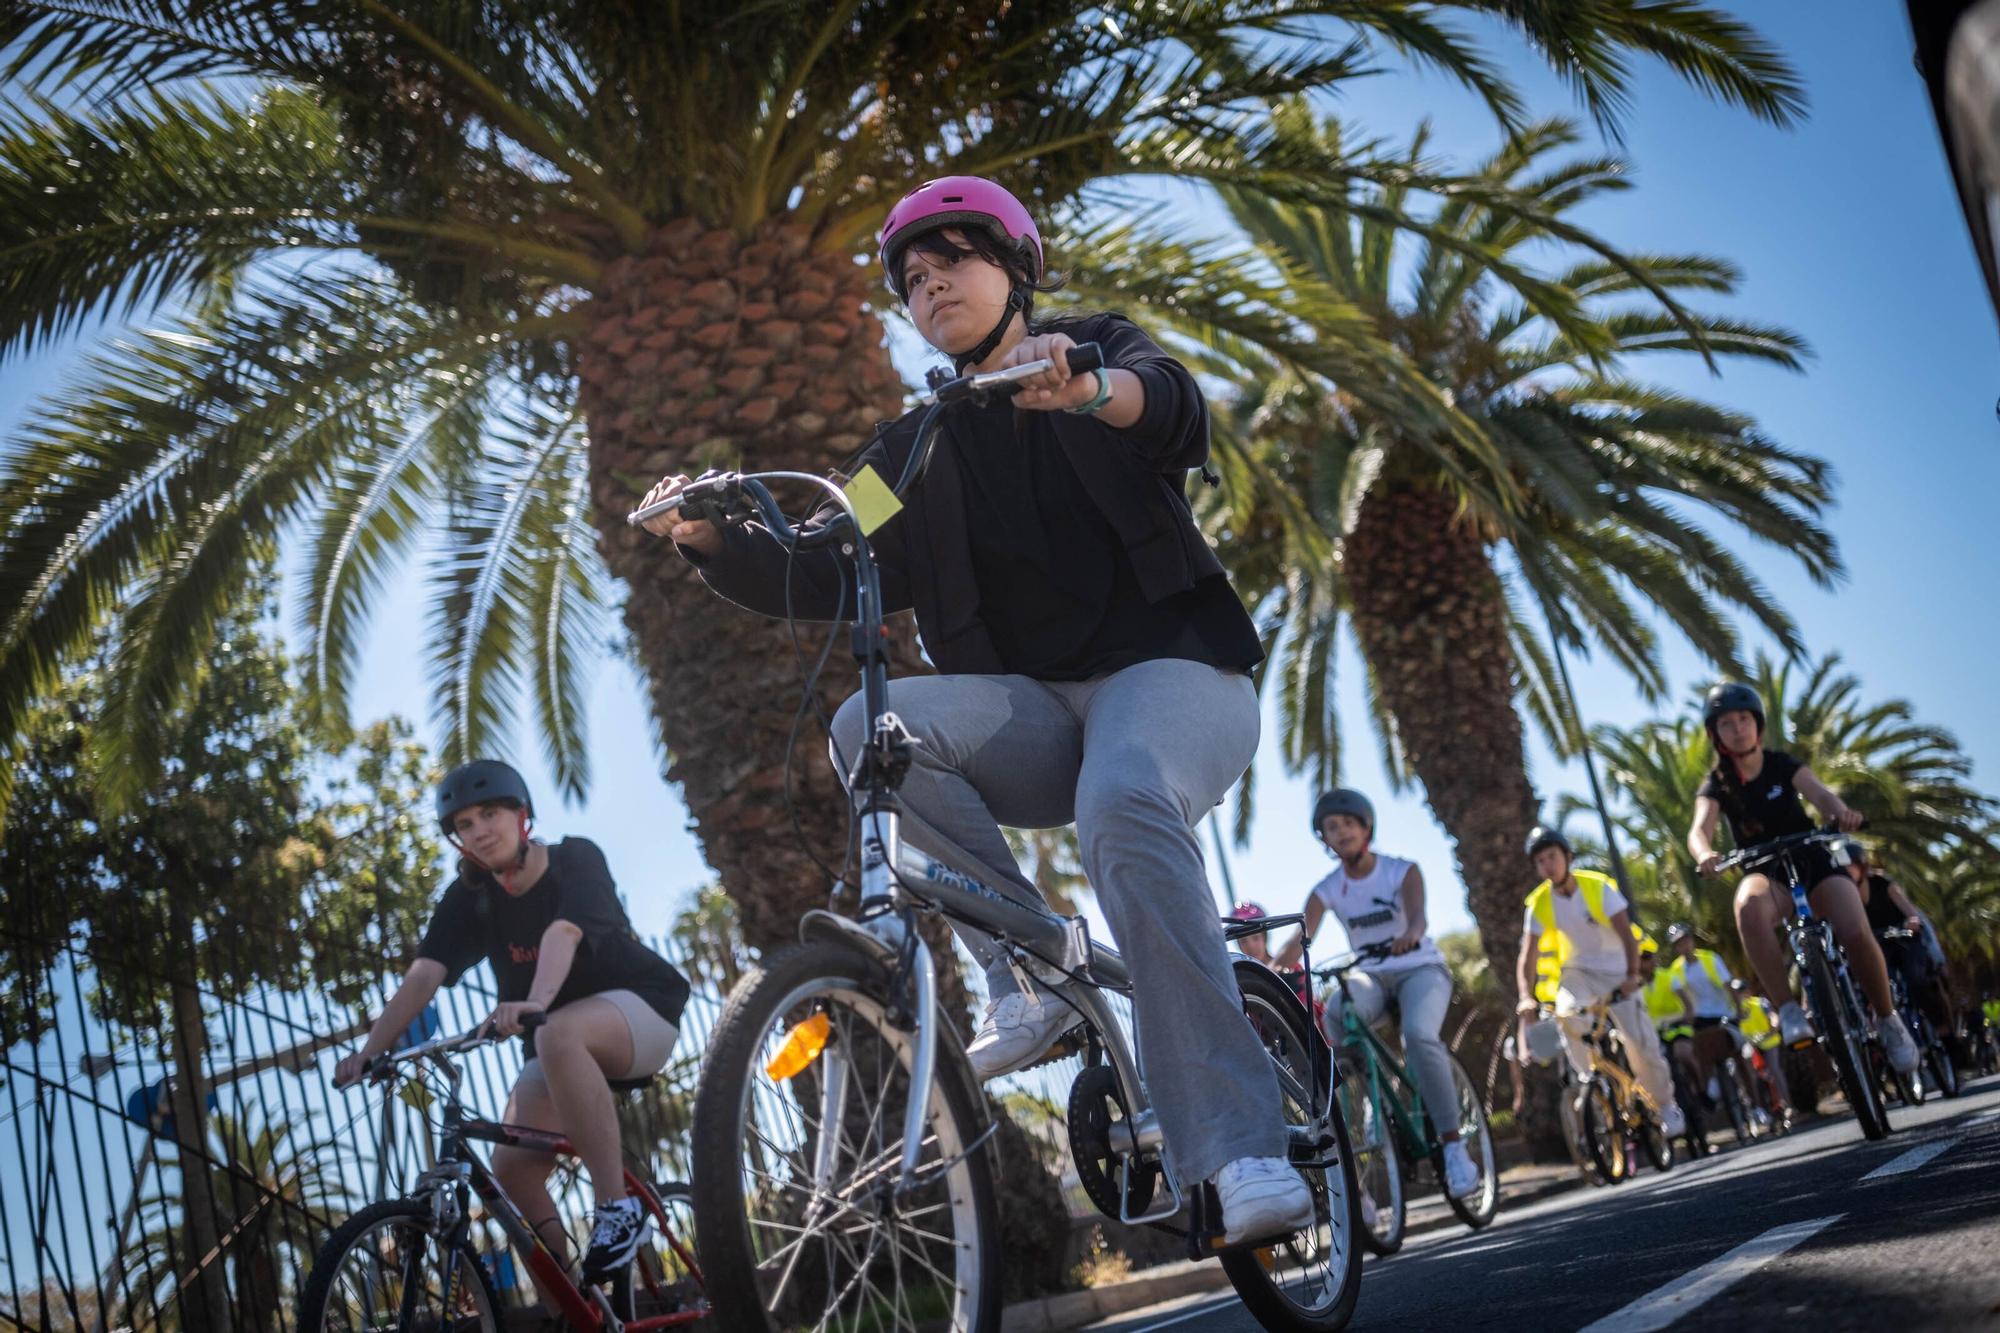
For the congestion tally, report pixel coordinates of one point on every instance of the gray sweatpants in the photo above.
(1135, 759)
(1423, 994)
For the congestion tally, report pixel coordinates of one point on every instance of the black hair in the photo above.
(979, 241)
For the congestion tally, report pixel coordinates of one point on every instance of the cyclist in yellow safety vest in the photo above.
(1760, 1029)
(1702, 1039)
(1581, 918)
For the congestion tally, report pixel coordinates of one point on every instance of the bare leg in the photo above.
(1839, 902)
(577, 1046)
(524, 1174)
(1756, 924)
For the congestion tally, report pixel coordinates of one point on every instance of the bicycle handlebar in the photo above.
(1372, 953)
(465, 1041)
(1777, 847)
(719, 498)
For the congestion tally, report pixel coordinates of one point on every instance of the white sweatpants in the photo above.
(1582, 988)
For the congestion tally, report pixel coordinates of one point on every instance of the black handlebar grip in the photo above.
(1084, 358)
(533, 1019)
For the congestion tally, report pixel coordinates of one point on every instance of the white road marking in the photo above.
(1910, 1160)
(1685, 1294)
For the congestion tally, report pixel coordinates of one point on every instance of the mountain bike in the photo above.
(409, 1265)
(1940, 1070)
(1831, 999)
(843, 1177)
(1615, 1112)
(1390, 1128)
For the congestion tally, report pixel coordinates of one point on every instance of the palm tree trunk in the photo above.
(713, 350)
(1432, 621)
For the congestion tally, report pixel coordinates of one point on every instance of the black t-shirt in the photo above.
(1882, 913)
(1764, 808)
(478, 919)
(1071, 608)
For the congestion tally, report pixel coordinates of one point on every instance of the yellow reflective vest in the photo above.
(1663, 1002)
(1554, 948)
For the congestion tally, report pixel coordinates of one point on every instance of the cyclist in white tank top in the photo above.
(1380, 901)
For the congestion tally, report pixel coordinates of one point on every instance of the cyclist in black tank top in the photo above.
(1889, 908)
(1759, 791)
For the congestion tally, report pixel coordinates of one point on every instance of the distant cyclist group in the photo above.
(1093, 666)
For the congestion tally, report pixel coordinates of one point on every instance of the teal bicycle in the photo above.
(1389, 1130)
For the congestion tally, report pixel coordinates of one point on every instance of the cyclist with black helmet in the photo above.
(1889, 908)
(1582, 918)
(1758, 791)
(1092, 664)
(548, 920)
(1380, 902)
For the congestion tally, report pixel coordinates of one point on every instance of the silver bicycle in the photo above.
(842, 1172)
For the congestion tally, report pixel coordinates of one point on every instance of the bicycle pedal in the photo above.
(1070, 1043)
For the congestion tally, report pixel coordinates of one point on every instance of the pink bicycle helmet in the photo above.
(1248, 911)
(959, 201)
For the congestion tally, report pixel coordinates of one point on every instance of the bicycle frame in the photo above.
(458, 1170)
(1405, 1109)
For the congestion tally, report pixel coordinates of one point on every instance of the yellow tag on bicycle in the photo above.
(874, 503)
(801, 1048)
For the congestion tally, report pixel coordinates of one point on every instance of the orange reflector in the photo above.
(1268, 1257)
(801, 1048)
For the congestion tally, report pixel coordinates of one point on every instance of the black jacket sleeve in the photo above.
(753, 568)
(1171, 435)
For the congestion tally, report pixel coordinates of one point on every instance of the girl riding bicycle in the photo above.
(549, 921)
(1093, 665)
(1759, 791)
(1380, 901)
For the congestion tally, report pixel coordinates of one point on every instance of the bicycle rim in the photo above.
(1311, 1281)
(384, 1264)
(798, 1156)
(1475, 1209)
(1844, 1043)
(1378, 1168)
(1603, 1136)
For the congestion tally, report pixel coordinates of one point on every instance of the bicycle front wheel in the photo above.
(1378, 1168)
(1840, 1028)
(1603, 1131)
(802, 1216)
(382, 1271)
(1477, 1208)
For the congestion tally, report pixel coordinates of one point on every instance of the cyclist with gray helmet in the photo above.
(1380, 901)
(1758, 791)
(548, 920)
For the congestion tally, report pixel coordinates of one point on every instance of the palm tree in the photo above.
(472, 276)
(1578, 488)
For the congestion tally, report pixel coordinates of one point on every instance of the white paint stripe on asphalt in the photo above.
(1910, 1160)
(1657, 1309)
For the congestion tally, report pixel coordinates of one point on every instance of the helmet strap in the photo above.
(1017, 301)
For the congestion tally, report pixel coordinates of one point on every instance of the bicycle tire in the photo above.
(1266, 995)
(1476, 1210)
(1378, 1163)
(852, 992)
(1944, 1070)
(1653, 1138)
(327, 1263)
(1729, 1079)
(1844, 1046)
(1603, 1134)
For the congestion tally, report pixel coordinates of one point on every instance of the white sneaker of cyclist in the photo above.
(1899, 1045)
(614, 1238)
(1673, 1121)
(1017, 1028)
(1794, 1028)
(1262, 1198)
(1461, 1173)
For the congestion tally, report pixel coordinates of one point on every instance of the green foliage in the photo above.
(383, 227)
(232, 867)
(1598, 486)
(708, 940)
(1472, 976)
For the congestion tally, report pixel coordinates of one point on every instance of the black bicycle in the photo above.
(842, 1176)
(1832, 1001)
(1940, 1070)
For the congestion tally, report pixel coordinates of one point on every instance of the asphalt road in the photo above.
(1820, 1230)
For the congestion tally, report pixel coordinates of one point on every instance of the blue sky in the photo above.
(1847, 231)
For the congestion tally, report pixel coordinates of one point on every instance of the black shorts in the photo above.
(1813, 862)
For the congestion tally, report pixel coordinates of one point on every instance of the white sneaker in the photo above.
(1461, 1173)
(1673, 1120)
(1794, 1029)
(1899, 1045)
(1262, 1198)
(1017, 1028)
